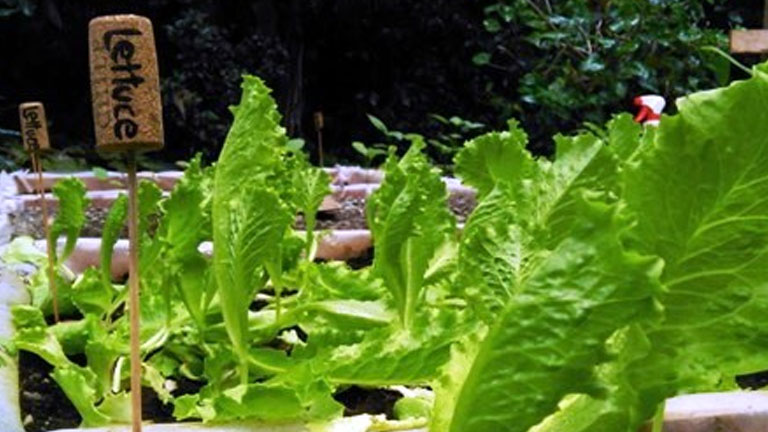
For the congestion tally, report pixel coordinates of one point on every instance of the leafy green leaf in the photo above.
(494, 156)
(90, 295)
(113, 226)
(698, 193)
(378, 124)
(74, 382)
(149, 195)
(312, 185)
(409, 219)
(71, 216)
(185, 224)
(550, 334)
(481, 59)
(249, 218)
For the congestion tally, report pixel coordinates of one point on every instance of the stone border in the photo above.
(25, 180)
(343, 177)
(334, 245)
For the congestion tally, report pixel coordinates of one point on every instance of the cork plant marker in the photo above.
(127, 115)
(34, 133)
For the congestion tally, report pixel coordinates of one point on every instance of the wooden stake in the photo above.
(127, 116)
(319, 124)
(34, 132)
(133, 281)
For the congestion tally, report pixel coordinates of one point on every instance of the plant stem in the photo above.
(37, 165)
(134, 311)
(658, 418)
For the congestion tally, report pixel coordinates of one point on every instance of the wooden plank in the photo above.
(749, 41)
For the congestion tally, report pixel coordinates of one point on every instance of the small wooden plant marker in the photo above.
(319, 125)
(751, 41)
(34, 134)
(127, 115)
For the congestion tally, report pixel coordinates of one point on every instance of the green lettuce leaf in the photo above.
(149, 196)
(185, 224)
(410, 221)
(699, 195)
(70, 218)
(249, 218)
(494, 157)
(311, 185)
(110, 234)
(546, 340)
(80, 384)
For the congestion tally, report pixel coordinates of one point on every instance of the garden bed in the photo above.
(568, 278)
(44, 407)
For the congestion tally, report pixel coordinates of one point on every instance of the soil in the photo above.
(358, 400)
(28, 222)
(754, 381)
(45, 407)
(350, 215)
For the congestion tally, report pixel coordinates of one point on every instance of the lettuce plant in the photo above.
(582, 291)
(626, 271)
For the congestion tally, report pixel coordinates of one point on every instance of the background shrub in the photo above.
(553, 65)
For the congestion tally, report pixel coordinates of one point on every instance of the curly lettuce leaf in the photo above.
(70, 218)
(80, 384)
(546, 340)
(186, 222)
(410, 222)
(699, 196)
(494, 157)
(110, 234)
(249, 218)
(312, 185)
(149, 196)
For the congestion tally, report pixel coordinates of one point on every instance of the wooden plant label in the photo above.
(749, 41)
(34, 129)
(125, 88)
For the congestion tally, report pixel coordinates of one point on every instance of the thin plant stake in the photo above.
(34, 133)
(127, 116)
(133, 298)
(319, 124)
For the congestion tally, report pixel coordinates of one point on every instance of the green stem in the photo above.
(243, 370)
(658, 418)
(728, 57)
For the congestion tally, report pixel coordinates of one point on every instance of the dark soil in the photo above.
(754, 381)
(28, 222)
(359, 400)
(45, 407)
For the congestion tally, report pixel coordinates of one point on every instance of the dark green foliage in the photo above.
(579, 61)
(400, 60)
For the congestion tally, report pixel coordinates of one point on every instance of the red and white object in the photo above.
(651, 107)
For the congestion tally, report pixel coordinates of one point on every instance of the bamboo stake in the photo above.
(319, 124)
(34, 131)
(127, 116)
(133, 282)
